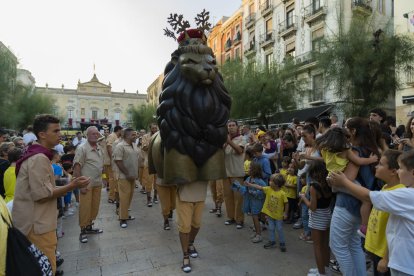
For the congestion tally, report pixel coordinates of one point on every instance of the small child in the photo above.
(58, 172)
(290, 190)
(68, 171)
(257, 151)
(319, 215)
(285, 166)
(306, 234)
(336, 152)
(248, 156)
(276, 208)
(375, 241)
(399, 204)
(253, 198)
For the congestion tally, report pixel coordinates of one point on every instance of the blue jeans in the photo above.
(305, 219)
(346, 244)
(276, 225)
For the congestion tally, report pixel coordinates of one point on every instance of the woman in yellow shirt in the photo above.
(10, 174)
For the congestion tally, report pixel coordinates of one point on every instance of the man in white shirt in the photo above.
(29, 136)
(78, 140)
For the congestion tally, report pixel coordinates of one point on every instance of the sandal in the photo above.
(186, 264)
(212, 210)
(130, 218)
(192, 251)
(91, 230)
(111, 201)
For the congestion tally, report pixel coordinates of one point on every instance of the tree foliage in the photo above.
(18, 104)
(361, 63)
(143, 116)
(22, 106)
(259, 91)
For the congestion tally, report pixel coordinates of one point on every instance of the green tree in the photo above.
(143, 116)
(258, 91)
(362, 62)
(23, 105)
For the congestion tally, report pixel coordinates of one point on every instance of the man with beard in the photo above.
(234, 159)
(148, 180)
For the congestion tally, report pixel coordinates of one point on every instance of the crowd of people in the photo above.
(348, 187)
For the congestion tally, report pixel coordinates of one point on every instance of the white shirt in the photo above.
(400, 226)
(76, 141)
(29, 138)
(59, 149)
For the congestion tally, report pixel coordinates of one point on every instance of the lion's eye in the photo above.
(191, 61)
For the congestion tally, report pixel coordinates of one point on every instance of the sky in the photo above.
(60, 42)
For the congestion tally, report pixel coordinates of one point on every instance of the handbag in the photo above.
(22, 257)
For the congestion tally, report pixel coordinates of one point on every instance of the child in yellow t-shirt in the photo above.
(285, 166)
(276, 208)
(337, 154)
(290, 190)
(375, 241)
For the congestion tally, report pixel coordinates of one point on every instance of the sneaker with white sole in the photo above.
(257, 239)
(123, 224)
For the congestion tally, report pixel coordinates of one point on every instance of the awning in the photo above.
(302, 114)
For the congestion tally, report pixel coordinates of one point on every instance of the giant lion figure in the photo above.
(192, 115)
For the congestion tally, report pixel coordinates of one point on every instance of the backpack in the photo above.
(23, 257)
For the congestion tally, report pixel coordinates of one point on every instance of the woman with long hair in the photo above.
(345, 242)
(407, 143)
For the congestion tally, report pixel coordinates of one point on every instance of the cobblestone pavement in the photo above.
(144, 248)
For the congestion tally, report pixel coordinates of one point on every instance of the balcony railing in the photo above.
(316, 96)
(266, 8)
(237, 38)
(288, 26)
(305, 58)
(363, 6)
(228, 44)
(250, 47)
(250, 20)
(315, 11)
(267, 39)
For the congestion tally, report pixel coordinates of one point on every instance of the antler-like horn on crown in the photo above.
(169, 33)
(177, 23)
(202, 20)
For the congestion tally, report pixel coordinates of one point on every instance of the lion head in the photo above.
(194, 104)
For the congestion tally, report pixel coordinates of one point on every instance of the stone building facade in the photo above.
(404, 98)
(225, 38)
(275, 30)
(93, 102)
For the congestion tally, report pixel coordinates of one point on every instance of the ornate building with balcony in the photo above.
(92, 102)
(279, 29)
(154, 91)
(226, 38)
(404, 96)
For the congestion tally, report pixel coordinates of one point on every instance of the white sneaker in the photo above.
(257, 239)
(313, 270)
(68, 213)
